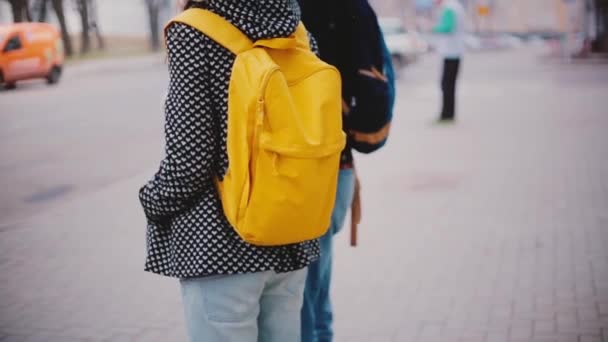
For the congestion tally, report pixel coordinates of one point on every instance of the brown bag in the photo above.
(355, 212)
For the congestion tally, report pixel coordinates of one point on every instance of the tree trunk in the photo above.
(20, 10)
(15, 11)
(41, 11)
(65, 35)
(153, 20)
(101, 44)
(94, 22)
(26, 9)
(85, 23)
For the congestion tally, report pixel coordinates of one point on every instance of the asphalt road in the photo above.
(99, 125)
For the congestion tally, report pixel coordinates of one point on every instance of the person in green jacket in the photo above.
(451, 47)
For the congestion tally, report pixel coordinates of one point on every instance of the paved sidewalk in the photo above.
(493, 229)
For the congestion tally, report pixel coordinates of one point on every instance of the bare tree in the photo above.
(94, 24)
(83, 9)
(154, 7)
(39, 10)
(20, 10)
(65, 35)
(601, 26)
(90, 24)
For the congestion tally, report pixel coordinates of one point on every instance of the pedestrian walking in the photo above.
(349, 37)
(451, 48)
(241, 196)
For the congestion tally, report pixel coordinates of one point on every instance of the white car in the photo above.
(405, 46)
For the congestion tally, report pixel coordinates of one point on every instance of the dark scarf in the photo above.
(258, 19)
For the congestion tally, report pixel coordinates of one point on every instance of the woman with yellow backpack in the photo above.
(253, 135)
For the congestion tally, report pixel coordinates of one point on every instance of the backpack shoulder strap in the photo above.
(215, 27)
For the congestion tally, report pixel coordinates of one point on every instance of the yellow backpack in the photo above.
(284, 134)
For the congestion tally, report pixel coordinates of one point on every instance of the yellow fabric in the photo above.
(284, 135)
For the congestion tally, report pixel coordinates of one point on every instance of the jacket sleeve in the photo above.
(447, 22)
(190, 133)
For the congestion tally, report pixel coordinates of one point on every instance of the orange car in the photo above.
(30, 50)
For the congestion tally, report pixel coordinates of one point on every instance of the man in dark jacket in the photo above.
(341, 28)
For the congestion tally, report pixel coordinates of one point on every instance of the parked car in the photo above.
(495, 41)
(30, 51)
(405, 46)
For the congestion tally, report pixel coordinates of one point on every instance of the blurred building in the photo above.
(529, 16)
(583, 22)
(409, 11)
(516, 16)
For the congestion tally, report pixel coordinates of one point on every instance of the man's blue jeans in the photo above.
(317, 313)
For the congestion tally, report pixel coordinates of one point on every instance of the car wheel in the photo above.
(54, 75)
(10, 86)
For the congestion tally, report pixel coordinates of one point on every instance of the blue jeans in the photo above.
(317, 316)
(255, 307)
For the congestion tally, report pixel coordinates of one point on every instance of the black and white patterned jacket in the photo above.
(188, 235)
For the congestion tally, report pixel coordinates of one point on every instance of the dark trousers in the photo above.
(448, 87)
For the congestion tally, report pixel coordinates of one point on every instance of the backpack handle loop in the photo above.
(277, 43)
